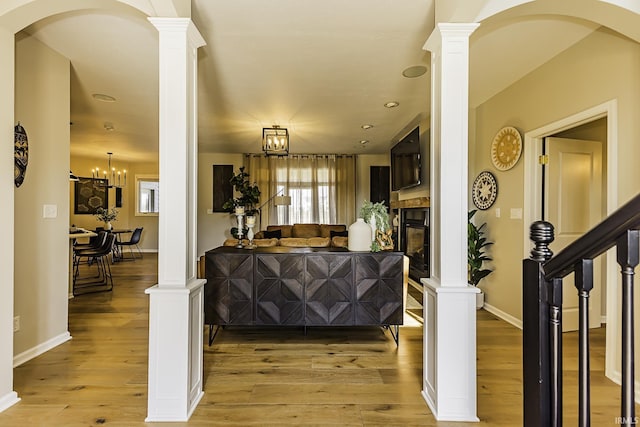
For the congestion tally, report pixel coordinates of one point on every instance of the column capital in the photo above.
(448, 30)
(179, 25)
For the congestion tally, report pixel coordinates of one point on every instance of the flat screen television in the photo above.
(406, 164)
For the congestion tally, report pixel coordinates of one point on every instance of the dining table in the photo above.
(74, 234)
(117, 255)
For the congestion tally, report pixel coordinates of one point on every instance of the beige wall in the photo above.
(363, 176)
(213, 228)
(42, 244)
(81, 166)
(601, 67)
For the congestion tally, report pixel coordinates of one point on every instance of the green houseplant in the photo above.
(377, 215)
(249, 193)
(476, 253)
(249, 197)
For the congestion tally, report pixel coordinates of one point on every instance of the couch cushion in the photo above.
(284, 229)
(344, 233)
(340, 242)
(263, 243)
(272, 234)
(310, 242)
(326, 229)
(305, 230)
(258, 242)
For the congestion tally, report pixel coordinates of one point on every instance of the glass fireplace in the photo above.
(415, 241)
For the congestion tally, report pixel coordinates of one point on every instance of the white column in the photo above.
(176, 302)
(8, 397)
(449, 374)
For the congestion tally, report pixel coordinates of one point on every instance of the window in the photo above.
(147, 195)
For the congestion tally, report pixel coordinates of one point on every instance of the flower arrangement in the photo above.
(106, 215)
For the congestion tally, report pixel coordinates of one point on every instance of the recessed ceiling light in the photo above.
(102, 97)
(365, 127)
(415, 71)
(391, 104)
(364, 142)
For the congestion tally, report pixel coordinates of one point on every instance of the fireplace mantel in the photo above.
(416, 202)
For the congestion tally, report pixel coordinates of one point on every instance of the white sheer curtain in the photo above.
(322, 188)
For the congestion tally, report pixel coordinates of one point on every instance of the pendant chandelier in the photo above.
(113, 176)
(275, 141)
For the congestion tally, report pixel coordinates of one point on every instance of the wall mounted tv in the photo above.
(406, 164)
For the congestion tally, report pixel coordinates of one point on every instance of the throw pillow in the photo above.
(339, 233)
(275, 234)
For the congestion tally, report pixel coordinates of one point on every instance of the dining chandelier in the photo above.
(113, 176)
(275, 141)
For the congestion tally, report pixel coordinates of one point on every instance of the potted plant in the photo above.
(248, 200)
(106, 216)
(477, 255)
(377, 216)
(249, 194)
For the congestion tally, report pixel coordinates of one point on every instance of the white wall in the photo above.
(41, 244)
(213, 228)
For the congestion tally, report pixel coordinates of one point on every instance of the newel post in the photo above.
(535, 331)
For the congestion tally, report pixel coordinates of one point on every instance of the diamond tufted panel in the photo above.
(229, 296)
(329, 290)
(378, 281)
(279, 282)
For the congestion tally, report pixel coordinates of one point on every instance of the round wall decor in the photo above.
(506, 148)
(484, 190)
(20, 154)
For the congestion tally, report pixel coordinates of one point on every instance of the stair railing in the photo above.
(542, 315)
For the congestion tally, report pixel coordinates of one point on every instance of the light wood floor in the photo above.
(346, 377)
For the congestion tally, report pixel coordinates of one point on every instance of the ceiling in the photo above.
(322, 69)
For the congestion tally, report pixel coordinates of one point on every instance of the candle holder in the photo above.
(240, 218)
(251, 222)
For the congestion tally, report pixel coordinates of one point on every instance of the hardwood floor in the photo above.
(346, 376)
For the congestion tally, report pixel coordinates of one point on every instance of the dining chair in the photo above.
(133, 241)
(102, 280)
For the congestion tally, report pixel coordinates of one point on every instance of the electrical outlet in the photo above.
(16, 324)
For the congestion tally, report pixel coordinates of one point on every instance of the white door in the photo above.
(574, 189)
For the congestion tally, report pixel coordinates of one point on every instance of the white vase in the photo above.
(107, 225)
(359, 236)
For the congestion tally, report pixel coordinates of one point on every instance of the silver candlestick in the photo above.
(240, 218)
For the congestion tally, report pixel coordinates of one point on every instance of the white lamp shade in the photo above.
(282, 200)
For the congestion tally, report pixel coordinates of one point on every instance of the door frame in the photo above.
(533, 204)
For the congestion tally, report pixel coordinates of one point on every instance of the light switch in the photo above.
(516, 213)
(49, 211)
(497, 212)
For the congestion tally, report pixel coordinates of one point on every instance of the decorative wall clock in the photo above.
(21, 154)
(506, 148)
(484, 190)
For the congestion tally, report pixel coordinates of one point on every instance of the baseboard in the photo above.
(504, 316)
(36, 351)
(150, 251)
(8, 400)
(616, 377)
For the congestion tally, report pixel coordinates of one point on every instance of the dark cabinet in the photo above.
(310, 287)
